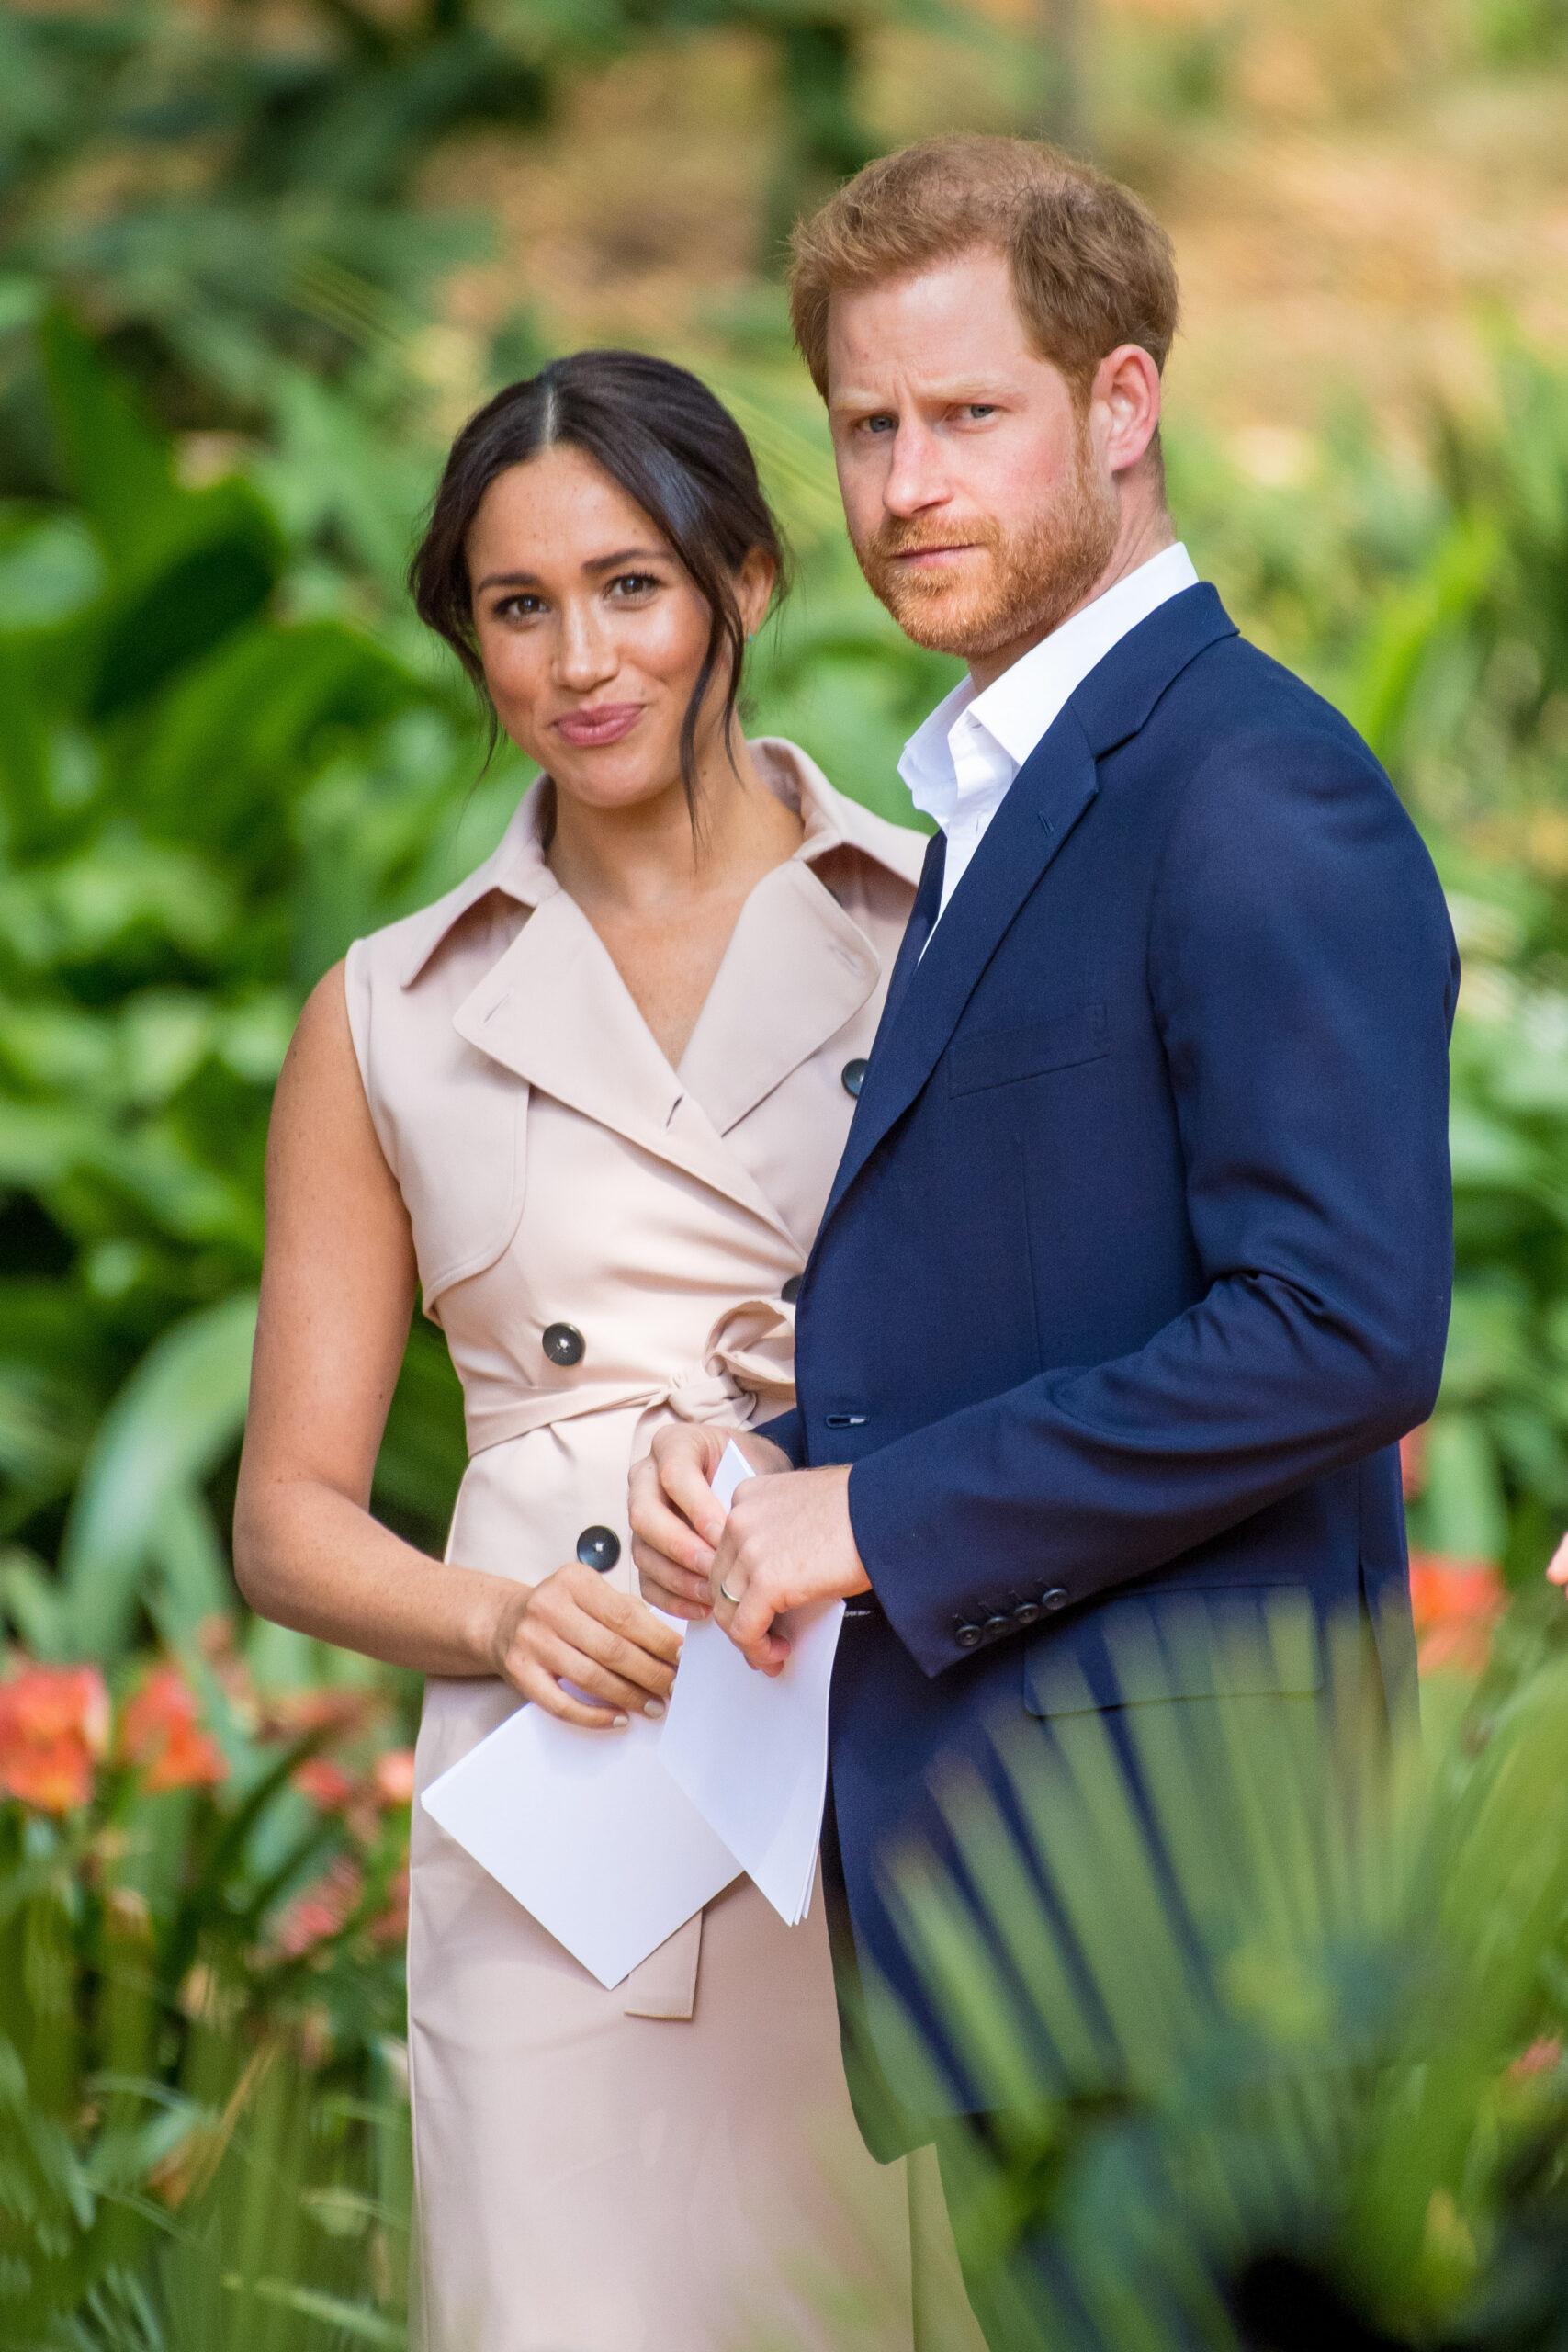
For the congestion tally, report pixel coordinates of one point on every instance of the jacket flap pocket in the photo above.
(997, 1057)
(1221, 1642)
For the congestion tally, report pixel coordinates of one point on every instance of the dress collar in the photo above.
(517, 865)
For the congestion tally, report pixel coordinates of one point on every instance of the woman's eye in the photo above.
(634, 583)
(519, 607)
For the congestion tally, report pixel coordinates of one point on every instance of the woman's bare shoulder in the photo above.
(320, 1104)
(321, 1042)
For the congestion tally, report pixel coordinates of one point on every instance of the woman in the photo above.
(592, 1102)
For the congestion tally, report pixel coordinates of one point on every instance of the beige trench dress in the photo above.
(671, 2166)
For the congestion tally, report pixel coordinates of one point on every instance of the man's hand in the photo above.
(676, 1521)
(787, 1540)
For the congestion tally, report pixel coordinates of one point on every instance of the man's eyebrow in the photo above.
(595, 564)
(954, 394)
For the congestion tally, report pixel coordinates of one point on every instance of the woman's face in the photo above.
(591, 634)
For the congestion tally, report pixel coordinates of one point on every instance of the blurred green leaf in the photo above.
(170, 1424)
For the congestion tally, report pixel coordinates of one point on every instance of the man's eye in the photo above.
(879, 424)
(979, 408)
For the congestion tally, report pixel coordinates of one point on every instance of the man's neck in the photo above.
(1145, 531)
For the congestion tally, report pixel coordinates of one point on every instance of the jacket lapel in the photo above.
(922, 915)
(1046, 801)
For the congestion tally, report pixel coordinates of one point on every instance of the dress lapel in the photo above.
(1046, 801)
(555, 1011)
(796, 952)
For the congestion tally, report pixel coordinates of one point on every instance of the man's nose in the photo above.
(916, 477)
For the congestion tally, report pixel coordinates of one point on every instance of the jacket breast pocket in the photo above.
(1223, 1642)
(1002, 1056)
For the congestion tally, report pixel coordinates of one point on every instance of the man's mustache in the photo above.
(899, 535)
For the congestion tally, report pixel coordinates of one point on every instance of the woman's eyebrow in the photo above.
(627, 555)
(506, 580)
(595, 563)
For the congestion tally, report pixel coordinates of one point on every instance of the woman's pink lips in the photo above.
(605, 723)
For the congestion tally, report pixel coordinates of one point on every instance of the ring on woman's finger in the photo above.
(725, 1594)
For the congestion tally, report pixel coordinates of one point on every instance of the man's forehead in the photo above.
(953, 325)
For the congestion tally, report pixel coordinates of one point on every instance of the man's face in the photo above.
(975, 502)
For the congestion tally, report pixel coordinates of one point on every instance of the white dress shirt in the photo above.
(960, 763)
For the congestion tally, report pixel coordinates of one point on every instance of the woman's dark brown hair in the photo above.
(662, 438)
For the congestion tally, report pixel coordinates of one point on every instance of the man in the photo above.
(1137, 1263)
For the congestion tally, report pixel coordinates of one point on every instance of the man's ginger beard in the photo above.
(1040, 568)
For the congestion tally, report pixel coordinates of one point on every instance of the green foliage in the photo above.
(1522, 32)
(263, 167)
(203, 802)
(202, 2131)
(1288, 2035)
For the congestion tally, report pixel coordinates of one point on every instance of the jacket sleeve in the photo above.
(788, 1432)
(1303, 977)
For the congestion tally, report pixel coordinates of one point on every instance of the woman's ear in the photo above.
(754, 589)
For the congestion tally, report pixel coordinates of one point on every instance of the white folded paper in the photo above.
(588, 1832)
(612, 1840)
(750, 1752)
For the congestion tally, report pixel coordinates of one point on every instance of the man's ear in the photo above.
(1126, 404)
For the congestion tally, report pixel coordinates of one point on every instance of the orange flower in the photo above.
(1455, 1604)
(1540, 2058)
(392, 1925)
(54, 1724)
(394, 1776)
(161, 1734)
(322, 1910)
(328, 1786)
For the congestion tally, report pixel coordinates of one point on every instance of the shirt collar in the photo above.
(1012, 715)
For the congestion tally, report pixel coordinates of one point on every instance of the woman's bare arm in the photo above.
(336, 1297)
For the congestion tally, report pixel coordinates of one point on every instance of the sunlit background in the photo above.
(257, 263)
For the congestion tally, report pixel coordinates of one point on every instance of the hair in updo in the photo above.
(662, 438)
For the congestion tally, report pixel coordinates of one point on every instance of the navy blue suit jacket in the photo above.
(1138, 1261)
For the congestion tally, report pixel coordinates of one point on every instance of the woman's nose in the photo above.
(585, 652)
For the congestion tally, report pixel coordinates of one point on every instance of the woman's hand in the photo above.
(576, 1628)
